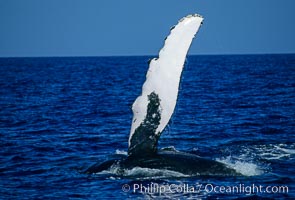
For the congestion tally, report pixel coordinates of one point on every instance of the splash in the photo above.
(121, 152)
(170, 148)
(153, 173)
(244, 167)
(115, 172)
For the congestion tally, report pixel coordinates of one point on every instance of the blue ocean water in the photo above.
(58, 116)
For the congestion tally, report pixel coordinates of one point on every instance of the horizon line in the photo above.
(143, 55)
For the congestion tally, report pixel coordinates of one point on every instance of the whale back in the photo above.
(153, 109)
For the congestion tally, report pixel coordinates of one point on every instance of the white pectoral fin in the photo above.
(153, 109)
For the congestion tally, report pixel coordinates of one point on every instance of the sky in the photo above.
(37, 28)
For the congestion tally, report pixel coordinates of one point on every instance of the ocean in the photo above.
(59, 116)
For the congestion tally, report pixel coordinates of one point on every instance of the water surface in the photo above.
(59, 116)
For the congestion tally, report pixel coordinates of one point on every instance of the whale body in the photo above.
(153, 109)
(184, 163)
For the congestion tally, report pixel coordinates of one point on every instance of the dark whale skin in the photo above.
(185, 163)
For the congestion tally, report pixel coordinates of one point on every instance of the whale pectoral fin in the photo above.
(153, 109)
(145, 139)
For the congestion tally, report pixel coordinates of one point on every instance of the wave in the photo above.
(270, 152)
(275, 152)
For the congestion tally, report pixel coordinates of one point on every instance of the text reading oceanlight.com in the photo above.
(155, 188)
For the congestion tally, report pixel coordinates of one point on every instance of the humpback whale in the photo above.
(153, 109)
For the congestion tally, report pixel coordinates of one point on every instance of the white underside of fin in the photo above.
(164, 73)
